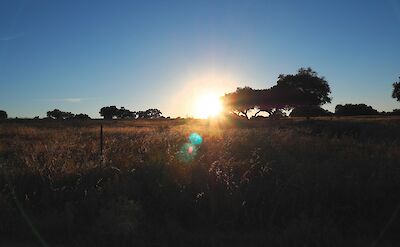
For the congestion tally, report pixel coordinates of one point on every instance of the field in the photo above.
(323, 182)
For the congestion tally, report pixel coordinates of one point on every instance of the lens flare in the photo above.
(195, 139)
(189, 150)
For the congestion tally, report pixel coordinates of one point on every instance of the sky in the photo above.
(79, 56)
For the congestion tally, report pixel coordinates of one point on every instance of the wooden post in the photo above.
(101, 141)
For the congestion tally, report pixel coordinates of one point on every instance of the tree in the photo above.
(126, 114)
(81, 116)
(57, 114)
(3, 114)
(396, 90)
(354, 110)
(311, 88)
(153, 113)
(282, 97)
(141, 114)
(109, 112)
(240, 101)
(304, 89)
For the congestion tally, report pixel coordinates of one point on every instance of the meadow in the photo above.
(291, 182)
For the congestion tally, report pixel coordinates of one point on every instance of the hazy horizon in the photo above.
(81, 56)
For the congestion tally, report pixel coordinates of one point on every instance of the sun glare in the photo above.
(208, 105)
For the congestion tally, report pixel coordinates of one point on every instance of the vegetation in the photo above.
(244, 183)
(396, 90)
(355, 110)
(110, 112)
(304, 89)
(60, 115)
(310, 111)
(3, 114)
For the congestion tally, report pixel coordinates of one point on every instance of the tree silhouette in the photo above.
(312, 89)
(240, 101)
(124, 113)
(153, 113)
(109, 112)
(306, 88)
(3, 114)
(396, 90)
(354, 110)
(141, 114)
(81, 116)
(57, 114)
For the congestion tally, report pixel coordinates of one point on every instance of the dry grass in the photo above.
(319, 183)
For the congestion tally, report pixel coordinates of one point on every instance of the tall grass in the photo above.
(290, 183)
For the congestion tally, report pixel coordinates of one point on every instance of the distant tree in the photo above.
(57, 114)
(54, 114)
(396, 90)
(153, 113)
(240, 102)
(3, 114)
(355, 110)
(126, 114)
(310, 111)
(109, 112)
(81, 116)
(36, 117)
(141, 114)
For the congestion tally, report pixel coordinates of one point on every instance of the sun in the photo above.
(208, 105)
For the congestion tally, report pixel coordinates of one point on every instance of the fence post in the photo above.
(101, 141)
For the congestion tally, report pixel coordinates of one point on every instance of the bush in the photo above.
(310, 111)
(355, 110)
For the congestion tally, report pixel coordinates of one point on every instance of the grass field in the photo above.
(324, 182)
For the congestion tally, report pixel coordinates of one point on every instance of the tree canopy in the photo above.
(61, 115)
(3, 114)
(240, 101)
(110, 112)
(312, 88)
(310, 111)
(57, 114)
(306, 88)
(396, 90)
(354, 110)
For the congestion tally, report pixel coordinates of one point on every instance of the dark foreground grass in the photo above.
(255, 183)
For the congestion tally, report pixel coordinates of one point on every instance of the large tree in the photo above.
(311, 89)
(57, 114)
(304, 89)
(3, 114)
(240, 101)
(82, 116)
(396, 90)
(354, 110)
(153, 113)
(109, 112)
(124, 113)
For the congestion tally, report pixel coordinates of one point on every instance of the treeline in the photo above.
(108, 112)
(301, 94)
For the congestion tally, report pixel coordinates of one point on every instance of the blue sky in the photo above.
(81, 55)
